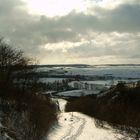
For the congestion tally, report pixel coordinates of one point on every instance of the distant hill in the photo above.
(65, 65)
(84, 65)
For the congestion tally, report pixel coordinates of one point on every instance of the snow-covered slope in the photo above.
(77, 126)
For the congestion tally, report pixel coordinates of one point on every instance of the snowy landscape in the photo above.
(63, 87)
(90, 79)
(75, 125)
(117, 71)
(69, 69)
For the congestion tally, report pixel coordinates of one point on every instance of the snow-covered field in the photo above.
(77, 93)
(51, 80)
(77, 126)
(127, 71)
(115, 71)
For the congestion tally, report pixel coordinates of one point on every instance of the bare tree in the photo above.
(15, 69)
(26, 113)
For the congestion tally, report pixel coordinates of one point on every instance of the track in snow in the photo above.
(78, 126)
(72, 136)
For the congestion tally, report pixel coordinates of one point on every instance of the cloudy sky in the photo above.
(73, 31)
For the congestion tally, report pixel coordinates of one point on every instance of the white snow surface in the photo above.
(116, 71)
(77, 93)
(80, 127)
(77, 126)
(51, 80)
(71, 93)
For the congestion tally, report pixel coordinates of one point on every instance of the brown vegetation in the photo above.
(26, 112)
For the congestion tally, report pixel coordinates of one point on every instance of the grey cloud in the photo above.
(125, 18)
(119, 49)
(9, 5)
(31, 32)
